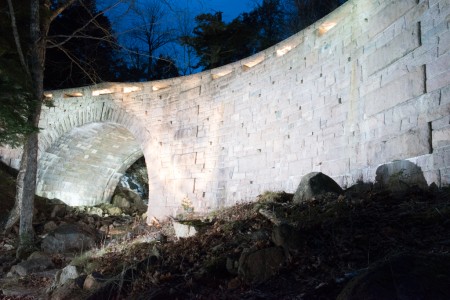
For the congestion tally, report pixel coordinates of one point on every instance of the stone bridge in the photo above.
(367, 85)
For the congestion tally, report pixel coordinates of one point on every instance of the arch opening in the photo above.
(131, 193)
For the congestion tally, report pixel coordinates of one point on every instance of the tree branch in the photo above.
(17, 37)
(60, 9)
(76, 62)
(92, 20)
(54, 44)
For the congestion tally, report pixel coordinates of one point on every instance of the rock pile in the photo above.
(65, 232)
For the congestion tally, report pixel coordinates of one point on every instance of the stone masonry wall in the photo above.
(367, 85)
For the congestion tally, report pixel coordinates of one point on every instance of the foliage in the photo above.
(134, 66)
(302, 13)
(270, 23)
(217, 43)
(269, 196)
(209, 40)
(164, 68)
(187, 205)
(16, 100)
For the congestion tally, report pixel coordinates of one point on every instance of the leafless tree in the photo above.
(41, 16)
(150, 31)
(185, 55)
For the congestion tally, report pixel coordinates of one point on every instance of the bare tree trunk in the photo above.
(25, 192)
(15, 212)
(26, 181)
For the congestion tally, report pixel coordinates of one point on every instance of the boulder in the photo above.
(94, 281)
(399, 176)
(257, 266)
(68, 273)
(59, 210)
(68, 238)
(129, 201)
(37, 262)
(39, 255)
(187, 228)
(404, 276)
(287, 236)
(95, 211)
(121, 201)
(183, 230)
(50, 226)
(68, 291)
(232, 266)
(133, 197)
(114, 211)
(314, 184)
(7, 247)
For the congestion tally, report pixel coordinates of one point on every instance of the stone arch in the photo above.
(84, 165)
(70, 135)
(68, 114)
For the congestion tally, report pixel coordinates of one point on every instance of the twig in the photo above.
(16, 36)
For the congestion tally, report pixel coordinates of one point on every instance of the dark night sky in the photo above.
(230, 8)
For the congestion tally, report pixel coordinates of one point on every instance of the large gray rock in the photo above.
(50, 226)
(68, 291)
(314, 184)
(94, 281)
(114, 211)
(35, 263)
(129, 201)
(68, 238)
(134, 197)
(66, 274)
(121, 201)
(288, 237)
(183, 230)
(405, 276)
(257, 266)
(399, 176)
(95, 211)
(59, 210)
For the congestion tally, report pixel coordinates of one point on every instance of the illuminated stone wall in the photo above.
(366, 85)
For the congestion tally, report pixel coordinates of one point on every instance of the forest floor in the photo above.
(332, 239)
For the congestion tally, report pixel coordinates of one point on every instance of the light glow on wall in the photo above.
(102, 92)
(158, 87)
(253, 62)
(326, 26)
(130, 89)
(283, 51)
(221, 73)
(71, 95)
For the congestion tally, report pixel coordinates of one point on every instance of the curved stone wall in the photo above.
(367, 85)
